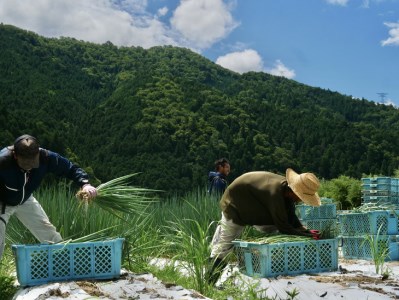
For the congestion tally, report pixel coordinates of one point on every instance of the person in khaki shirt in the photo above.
(266, 201)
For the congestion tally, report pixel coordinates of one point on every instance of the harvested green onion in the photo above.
(118, 197)
(279, 238)
(372, 207)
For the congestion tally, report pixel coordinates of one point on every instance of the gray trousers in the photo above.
(226, 232)
(32, 215)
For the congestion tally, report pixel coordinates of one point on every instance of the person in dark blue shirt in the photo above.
(22, 168)
(218, 179)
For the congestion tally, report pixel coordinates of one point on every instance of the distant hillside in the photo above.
(169, 113)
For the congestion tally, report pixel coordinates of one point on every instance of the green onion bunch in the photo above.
(119, 198)
(279, 238)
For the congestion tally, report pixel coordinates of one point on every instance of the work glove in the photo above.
(315, 234)
(90, 190)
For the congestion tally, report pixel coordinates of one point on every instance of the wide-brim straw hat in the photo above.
(305, 186)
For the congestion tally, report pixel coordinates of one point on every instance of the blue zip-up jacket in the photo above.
(217, 183)
(17, 185)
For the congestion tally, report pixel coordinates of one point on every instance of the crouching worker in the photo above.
(22, 168)
(263, 200)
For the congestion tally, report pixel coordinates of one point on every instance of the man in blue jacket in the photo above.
(22, 168)
(218, 179)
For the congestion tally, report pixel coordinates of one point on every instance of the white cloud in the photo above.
(195, 24)
(338, 2)
(394, 35)
(250, 60)
(203, 22)
(90, 20)
(389, 102)
(163, 11)
(280, 69)
(241, 62)
(366, 4)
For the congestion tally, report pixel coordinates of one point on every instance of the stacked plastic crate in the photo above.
(293, 258)
(380, 190)
(365, 234)
(322, 218)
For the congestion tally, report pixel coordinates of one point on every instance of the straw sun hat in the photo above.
(305, 186)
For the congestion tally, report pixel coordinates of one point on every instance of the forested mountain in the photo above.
(168, 113)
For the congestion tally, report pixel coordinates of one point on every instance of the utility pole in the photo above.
(382, 96)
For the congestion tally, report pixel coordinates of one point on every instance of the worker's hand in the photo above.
(316, 237)
(90, 190)
(315, 234)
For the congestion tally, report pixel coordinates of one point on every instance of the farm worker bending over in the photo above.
(267, 202)
(22, 168)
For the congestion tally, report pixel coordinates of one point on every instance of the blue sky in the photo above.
(348, 46)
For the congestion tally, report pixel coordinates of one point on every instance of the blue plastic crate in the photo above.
(376, 180)
(371, 222)
(380, 187)
(328, 227)
(379, 199)
(395, 181)
(367, 193)
(268, 260)
(324, 211)
(359, 247)
(43, 263)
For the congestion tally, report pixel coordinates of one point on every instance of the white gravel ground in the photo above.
(357, 280)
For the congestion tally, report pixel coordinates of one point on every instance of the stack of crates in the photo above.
(372, 233)
(365, 234)
(369, 233)
(322, 218)
(380, 190)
